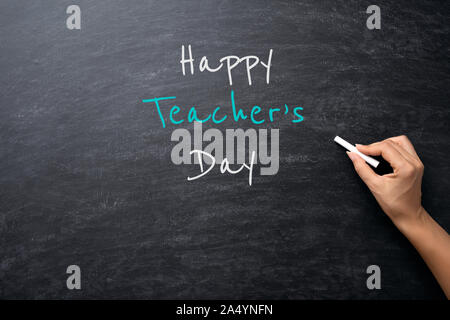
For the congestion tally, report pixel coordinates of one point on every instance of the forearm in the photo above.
(433, 244)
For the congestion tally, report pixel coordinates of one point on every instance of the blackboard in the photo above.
(86, 176)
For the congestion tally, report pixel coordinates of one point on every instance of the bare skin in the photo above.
(399, 195)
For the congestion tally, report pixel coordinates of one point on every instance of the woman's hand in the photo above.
(399, 193)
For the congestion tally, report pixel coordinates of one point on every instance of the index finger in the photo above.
(386, 150)
(406, 144)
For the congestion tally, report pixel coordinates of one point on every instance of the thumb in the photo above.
(363, 170)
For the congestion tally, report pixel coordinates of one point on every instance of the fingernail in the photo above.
(358, 145)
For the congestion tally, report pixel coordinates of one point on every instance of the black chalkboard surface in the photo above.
(86, 176)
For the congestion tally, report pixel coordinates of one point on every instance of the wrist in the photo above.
(413, 222)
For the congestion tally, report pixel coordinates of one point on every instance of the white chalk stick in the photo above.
(374, 163)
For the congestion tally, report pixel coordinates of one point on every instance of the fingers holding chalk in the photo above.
(385, 149)
(374, 163)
